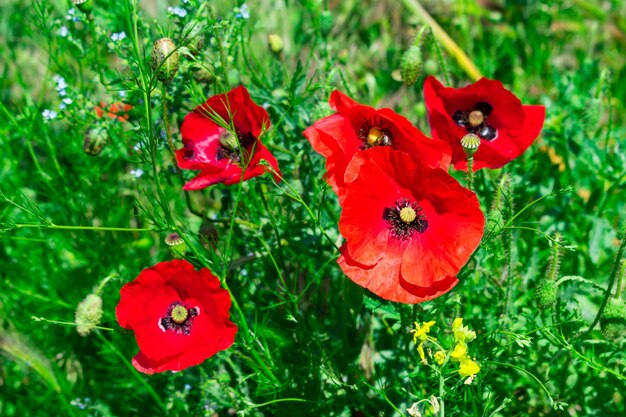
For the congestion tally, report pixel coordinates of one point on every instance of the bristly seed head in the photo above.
(405, 219)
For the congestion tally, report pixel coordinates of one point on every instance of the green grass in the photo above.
(317, 344)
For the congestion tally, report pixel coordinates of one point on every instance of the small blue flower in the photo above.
(119, 36)
(177, 11)
(48, 114)
(63, 31)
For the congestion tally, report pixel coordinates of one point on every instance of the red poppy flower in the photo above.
(222, 139)
(116, 111)
(409, 228)
(505, 126)
(180, 316)
(356, 127)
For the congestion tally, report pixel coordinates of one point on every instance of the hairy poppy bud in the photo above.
(613, 320)
(275, 43)
(546, 293)
(164, 59)
(85, 6)
(95, 140)
(326, 23)
(411, 65)
(195, 37)
(88, 314)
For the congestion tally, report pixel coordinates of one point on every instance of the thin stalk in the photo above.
(299, 199)
(463, 60)
(133, 371)
(470, 173)
(95, 228)
(220, 47)
(614, 276)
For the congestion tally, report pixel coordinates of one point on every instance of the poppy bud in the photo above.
(164, 59)
(95, 140)
(177, 245)
(275, 43)
(88, 314)
(546, 293)
(470, 144)
(613, 320)
(326, 23)
(229, 141)
(201, 74)
(85, 6)
(195, 37)
(411, 65)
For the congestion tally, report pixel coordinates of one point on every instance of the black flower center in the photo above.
(179, 318)
(235, 147)
(375, 132)
(405, 219)
(475, 120)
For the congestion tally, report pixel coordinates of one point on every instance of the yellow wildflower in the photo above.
(440, 357)
(459, 353)
(462, 333)
(468, 367)
(421, 332)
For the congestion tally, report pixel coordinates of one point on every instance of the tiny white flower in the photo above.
(122, 94)
(48, 114)
(137, 173)
(244, 11)
(63, 31)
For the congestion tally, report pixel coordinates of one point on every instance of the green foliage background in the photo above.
(316, 345)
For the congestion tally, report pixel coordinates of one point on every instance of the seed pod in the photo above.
(470, 144)
(546, 293)
(88, 314)
(613, 320)
(177, 245)
(326, 23)
(85, 6)
(95, 140)
(164, 59)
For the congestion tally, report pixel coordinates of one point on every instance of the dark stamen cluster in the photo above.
(365, 128)
(245, 140)
(474, 120)
(400, 228)
(167, 322)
